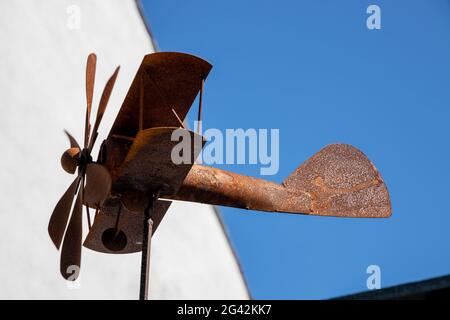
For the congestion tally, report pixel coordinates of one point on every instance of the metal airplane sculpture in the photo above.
(133, 180)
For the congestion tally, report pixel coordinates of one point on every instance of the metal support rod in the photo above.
(146, 246)
(200, 100)
(178, 118)
(88, 214)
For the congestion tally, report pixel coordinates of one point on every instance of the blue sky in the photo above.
(314, 70)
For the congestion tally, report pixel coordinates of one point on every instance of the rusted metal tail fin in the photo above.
(341, 181)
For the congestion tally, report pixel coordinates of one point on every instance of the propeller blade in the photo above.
(102, 106)
(60, 215)
(98, 185)
(90, 80)
(69, 160)
(73, 142)
(71, 249)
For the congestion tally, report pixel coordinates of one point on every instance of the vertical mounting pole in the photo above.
(146, 246)
(200, 100)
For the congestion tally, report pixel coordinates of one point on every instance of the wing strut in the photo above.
(200, 100)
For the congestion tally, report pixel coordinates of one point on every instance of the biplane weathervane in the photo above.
(134, 178)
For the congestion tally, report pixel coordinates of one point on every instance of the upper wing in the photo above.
(169, 80)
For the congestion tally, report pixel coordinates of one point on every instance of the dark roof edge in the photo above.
(401, 291)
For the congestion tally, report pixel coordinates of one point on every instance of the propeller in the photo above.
(91, 185)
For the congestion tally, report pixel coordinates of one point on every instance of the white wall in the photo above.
(42, 67)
